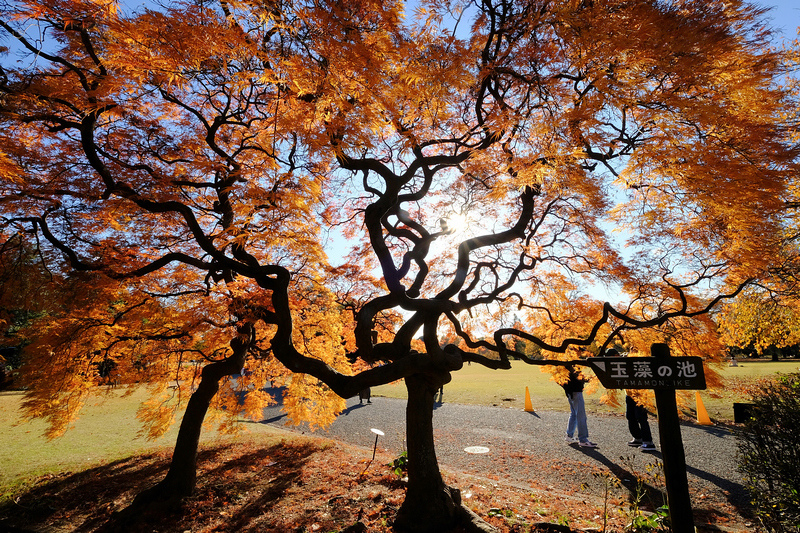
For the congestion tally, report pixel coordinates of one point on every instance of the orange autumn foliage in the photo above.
(564, 175)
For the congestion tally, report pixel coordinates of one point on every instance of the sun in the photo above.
(455, 224)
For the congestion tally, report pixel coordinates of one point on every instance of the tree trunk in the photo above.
(182, 475)
(181, 478)
(430, 505)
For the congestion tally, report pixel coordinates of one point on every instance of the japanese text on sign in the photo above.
(649, 372)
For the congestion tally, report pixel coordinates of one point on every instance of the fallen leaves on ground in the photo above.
(294, 485)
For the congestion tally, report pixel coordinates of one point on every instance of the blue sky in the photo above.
(785, 15)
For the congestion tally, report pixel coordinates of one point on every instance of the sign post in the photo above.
(663, 374)
(680, 505)
(656, 373)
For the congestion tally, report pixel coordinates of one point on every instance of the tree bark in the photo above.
(181, 478)
(430, 505)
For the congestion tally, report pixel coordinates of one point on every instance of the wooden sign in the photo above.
(649, 372)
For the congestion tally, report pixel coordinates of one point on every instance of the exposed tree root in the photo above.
(471, 522)
(451, 515)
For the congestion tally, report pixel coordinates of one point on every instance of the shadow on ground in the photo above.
(91, 500)
(284, 486)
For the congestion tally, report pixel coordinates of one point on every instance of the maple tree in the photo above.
(127, 172)
(185, 160)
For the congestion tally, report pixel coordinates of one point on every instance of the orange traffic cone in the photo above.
(528, 404)
(702, 415)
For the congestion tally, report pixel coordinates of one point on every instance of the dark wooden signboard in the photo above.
(663, 374)
(649, 372)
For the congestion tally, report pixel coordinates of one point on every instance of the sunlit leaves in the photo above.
(757, 320)
(190, 156)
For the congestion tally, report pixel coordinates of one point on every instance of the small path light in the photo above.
(378, 434)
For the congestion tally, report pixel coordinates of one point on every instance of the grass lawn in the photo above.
(107, 430)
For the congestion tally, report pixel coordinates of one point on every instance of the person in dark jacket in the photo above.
(636, 415)
(638, 425)
(573, 388)
(364, 394)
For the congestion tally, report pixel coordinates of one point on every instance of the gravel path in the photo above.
(528, 449)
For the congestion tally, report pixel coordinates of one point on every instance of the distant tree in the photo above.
(25, 287)
(477, 155)
(28, 291)
(765, 322)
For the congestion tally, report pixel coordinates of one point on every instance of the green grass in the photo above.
(107, 430)
(720, 405)
(757, 369)
(477, 385)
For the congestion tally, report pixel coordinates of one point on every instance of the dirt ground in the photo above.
(305, 485)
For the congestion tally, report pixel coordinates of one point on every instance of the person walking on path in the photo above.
(577, 409)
